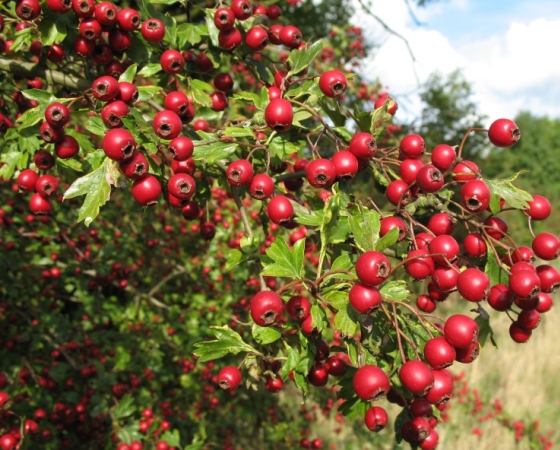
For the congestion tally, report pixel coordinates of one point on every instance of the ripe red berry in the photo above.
(59, 6)
(525, 284)
(475, 245)
(371, 383)
(425, 304)
(105, 88)
(500, 297)
(475, 196)
(223, 82)
(443, 157)
(318, 375)
(231, 39)
(167, 124)
(46, 185)
(229, 377)
(153, 30)
(243, 9)
(118, 144)
(363, 145)
(181, 148)
(445, 249)
(418, 265)
(280, 209)
(390, 222)
(408, 170)
(473, 284)
(412, 146)
(279, 115)
(529, 320)
(182, 186)
(50, 134)
(135, 167)
(321, 173)
(128, 92)
(26, 180)
(28, 9)
(416, 376)
(57, 115)
(465, 171)
(376, 418)
(128, 19)
(219, 101)
(398, 192)
(290, 36)
(266, 308)
(384, 99)
(365, 299)
(239, 173)
(460, 330)
(345, 164)
(113, 112)
(519, 334)
(504, 133)
(172, 61)
(333, 83)
(298, 308)
(39, 204)
(261, 187)
(147, 190)
(429, 179)
(43, 160)
(550, 278)
(256, 38)
(439, 353)
(106, 13)
(373, 268)
(440, 393)
(335, 366)
(546, 246)
(539, 208)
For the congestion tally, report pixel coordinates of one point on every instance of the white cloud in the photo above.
(514, 71)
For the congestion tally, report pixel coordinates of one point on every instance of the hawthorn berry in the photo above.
(504, 133)
(266, 308)
(373, 268)
(229, 377)
(333, 83)
(371, 383)
(279, 115)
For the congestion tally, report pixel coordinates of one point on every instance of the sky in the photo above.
(508, 50)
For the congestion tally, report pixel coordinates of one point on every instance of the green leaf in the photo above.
(211, 27)
(263, 72)
(124, 408)
(129, 74)
(239, 132)
(286, 262)
(484, 330)
(146, 93)
(299, 60)
(343, 262)
(292, 360)
(395, 290)
(210, 153)
(389, 239)
(97, 190)
(227, 341)
(190, 34)
(299, 115)
(31, 117)
(234, 258)
(365, 225)
(96, 126)
(249, 244)
(353, 408)
(337, 299)
(353, 351)
(172, 437)
(319, 317)
(346, 321)
(343, 133)
(140, 49)
(11, 160)
(362, 118)
(52, 29)
(313, 220)
(265, 335)
(332, 109)
(496, 273)
(150, 69)
(199, 91)
(514, 197)
(83, 140)
(281, 147)
(71, 164)
(23, 37)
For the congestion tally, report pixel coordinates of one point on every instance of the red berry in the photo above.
(182, 186)
(279, 115)
(371, 383)
(256, 38)
(475, 196)
(280, 210)
(231, 39)
(460, 330)
(539, 208)
(546, 246)
(504, 133)
(418, 265)
(290, 36)
(416, 376)
(439, 353)
(363, 145)
(239, 173)
(298, 308)
(443, 157)
(39, 204)
(266, 308)
(412, 146)
(321, 173)
(167, 124)
(172, 61)
(373, 268)
(147, 190)
(243, 9)
(473, 284)
(345, 164)
(105, 88)
(500, 297)
(153, 30)
(364, 299)
(376, 418)
(465, 171)
(118, 144)
(229, 377)
(135, 167)
(261, 187)
(333, 83)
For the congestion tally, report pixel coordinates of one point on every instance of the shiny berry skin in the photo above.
(182, 186)
(153, 30)
(546, 246)
(172, 61)
(371, 383)
(439, 353)
(333, 83)
(390, 222)
(128, 19)
(46, 185)
(420, 407)
(373, 268)
(473, 284)
(191, 210)
(418, 265)
(364, 299)
(229, 377)
(50, 134)
(441, 223)
(525, 284)
(181, 148)
(266, 308)
(223, 82)
(83, 47)
(102, 54)
(460, 330)
(59, 6)
(261, 187)
(135, 167)
(529, 320)
(504, 133)
(408, 170)
(274, 34)
(496, 227)
(318, 375)
(224, 19)
(345, 164)
(290, 36)
(429, 179)
(90, 29)
(475, 245)
(84, 8)
(335, 366)
(398, 192)
(231, 39)
(118, 144)
(500, 297)
(425, 304)
(384, 99)
(465, 171)
(243, 9)
(544, 303)
(256, 39)
(128, 92)
(239, 173)
(147, 190)
(177, 102)
(219, 101)
(105, 88)
(279, 115)
(443, 157)
(280, 209)
(445, 245)
(43, 160)
(26, 180)
(28, 9)
(321, 173)
(376, 418)
(8, 442)
(469, 354)
(550, 278)
(363, 145)
(57, 115)
(106, 13)
(113, 112)
(273, 385)
(39, 204)
(518, 333)
(442, 389)
(445, 278)
(416, 376)
(298, 308)
(412, 146)
(56, 53)
(475, 196)
(167, 124)
(539, 208)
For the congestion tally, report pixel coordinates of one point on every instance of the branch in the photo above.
(30, 70)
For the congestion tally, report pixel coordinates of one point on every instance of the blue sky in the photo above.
(508, 50)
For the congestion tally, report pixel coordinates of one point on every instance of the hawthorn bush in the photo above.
(191, 247)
